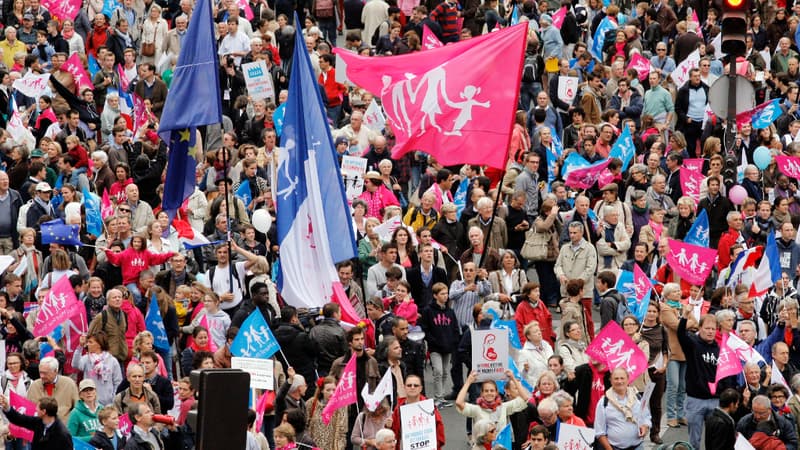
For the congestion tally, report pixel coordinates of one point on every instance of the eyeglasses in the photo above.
(413, 385)
(124, 210)
(661, 49)
(776, 396)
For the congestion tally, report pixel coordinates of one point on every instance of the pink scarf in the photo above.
(657, 228)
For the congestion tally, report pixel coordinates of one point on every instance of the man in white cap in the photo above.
(41, 205)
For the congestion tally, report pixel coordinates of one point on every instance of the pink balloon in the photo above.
(737, 194)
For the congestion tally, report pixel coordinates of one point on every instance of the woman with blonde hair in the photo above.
(154, 34)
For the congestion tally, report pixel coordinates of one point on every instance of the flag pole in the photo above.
(505, 167)
(228, 214)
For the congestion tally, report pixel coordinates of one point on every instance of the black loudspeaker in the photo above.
(220, 422)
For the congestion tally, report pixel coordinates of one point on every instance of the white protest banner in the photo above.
(258, 80)
(418, 422)
(681, 73)
(490, 353)
(260, 370)
(574, 437)
(353, 170)
(567, 88)
(741, 442)
(7, 260)
(32, 85)
(374, 117)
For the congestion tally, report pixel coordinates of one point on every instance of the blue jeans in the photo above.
(133, 288)
(676, 389)
(696, 411)
(528, 93)
(328, 28)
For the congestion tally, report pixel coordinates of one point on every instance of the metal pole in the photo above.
(228, 214)
(730, 135)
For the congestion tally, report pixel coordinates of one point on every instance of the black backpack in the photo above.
(376, 35)
(529, 68)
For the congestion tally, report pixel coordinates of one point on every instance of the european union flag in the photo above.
(56, 231)
(155, 325)
(94, 218)
(255, 339)
(245, 193)
(314, 224)
(193, 100)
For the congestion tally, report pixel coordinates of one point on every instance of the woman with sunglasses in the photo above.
(413, 387)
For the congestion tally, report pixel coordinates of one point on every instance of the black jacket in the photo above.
(720, 430)
(56, 438)
(329, 342)
(298, 348)
(103, 442)
(422, 295)
(785, 430)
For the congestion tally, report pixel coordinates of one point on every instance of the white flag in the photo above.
(374, 118)
(32, 85)
(681, 73)
(384, 388)
(19, 132)
(777, 376)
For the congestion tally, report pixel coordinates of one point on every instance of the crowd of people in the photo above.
(474, 244)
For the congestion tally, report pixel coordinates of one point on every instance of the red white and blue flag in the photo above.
(314, 224)
(769, 270)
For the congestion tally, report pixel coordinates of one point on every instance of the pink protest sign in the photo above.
(640, 64)
(23, 406)
(694, 164)
(693, 263)
(63, 9)
(345, 393)
(429, 40)
(727, 364)
(789, 165)
(614, 348)
(691, 182)
(74, 66)
(59, 306)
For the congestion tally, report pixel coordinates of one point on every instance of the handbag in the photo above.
(536, 246)
(148, 48)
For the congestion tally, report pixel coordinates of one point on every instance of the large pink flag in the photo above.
(74, 66)
(558, 17)
(789, 165)
(727, 364)
(694, 164)
(429, 40)
(23, 406)
(614, 348)
(345, 393)
(63, 9)
(691, 182)
(691, 262)
(204, 323)
(585, 177)
(641, 64)
(59, 306)
(450, 102)
(261, 408)
(106, 208)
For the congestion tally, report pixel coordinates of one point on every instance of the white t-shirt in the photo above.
(221, 283)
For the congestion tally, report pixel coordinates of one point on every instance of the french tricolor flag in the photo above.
(769, 271)
(313, 220)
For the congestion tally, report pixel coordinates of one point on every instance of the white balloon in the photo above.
(262, 220)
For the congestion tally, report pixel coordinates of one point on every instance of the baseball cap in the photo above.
(43, 187)
(86, 384)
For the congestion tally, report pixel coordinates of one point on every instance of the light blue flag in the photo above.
(109, 6)
(503, 438)
(514, 15)
(599, 36)
(698, 233)
(57, 199)
(155, 325)
(315, 229)
(277, 118)
(554, 152)
(244, 192)
(512, 366)
(460, 199)
(595, 221)
(94, 218)
(765, 116)
(78, 444)
(511, 326)
(573, 161)
(254, 340)
(625, 284)
(623, 148)
(93, 66)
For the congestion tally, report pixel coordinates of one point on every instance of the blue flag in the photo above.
(93, 66)
(625, 284)
(57, 199)
(503, 438)
(765, 116)
(56, 231)
(277, 118)
(94, 218)
(593, 217)
(553, 153)
(512, 366)
(460, 199)
(623, 148)
(514, 15)
(573, 161)
(193, 100)
(698, 233)
(255, 339)
(244, 192)
(314, 224)
(109, 6)
(511, 326)
(599, 37)
(78, 444)
(772, 255)
(155, 325)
